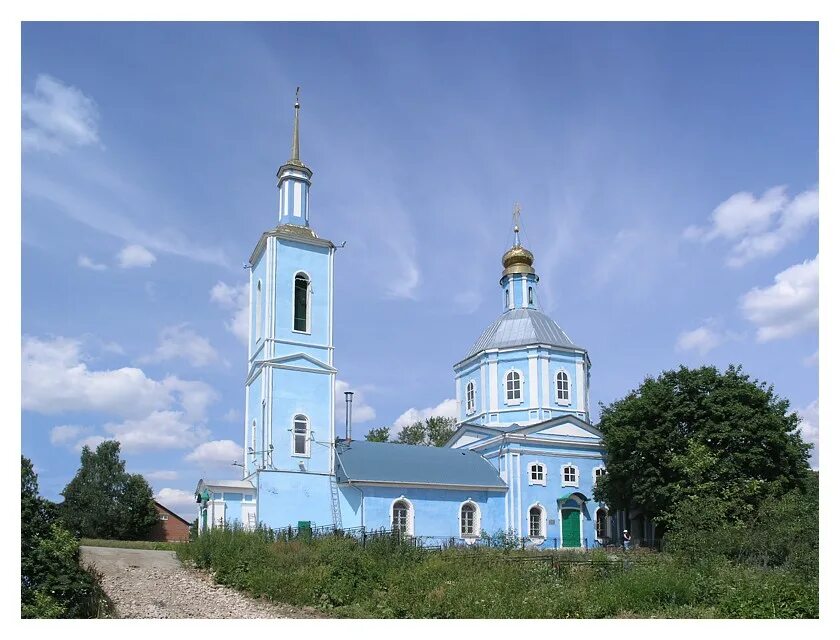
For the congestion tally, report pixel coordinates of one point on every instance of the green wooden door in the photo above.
(571, 527)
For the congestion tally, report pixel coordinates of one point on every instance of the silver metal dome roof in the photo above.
(521, 327)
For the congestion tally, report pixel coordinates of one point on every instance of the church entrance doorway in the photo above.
(570, 519)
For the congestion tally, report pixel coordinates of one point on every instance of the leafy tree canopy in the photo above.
(433, 432)
(700, 433)
(104, 501)
(378, 434)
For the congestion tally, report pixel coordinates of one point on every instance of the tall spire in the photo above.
(293, 180)
(516, 213)
(295, 159)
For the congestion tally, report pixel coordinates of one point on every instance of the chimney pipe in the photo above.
(348, 397)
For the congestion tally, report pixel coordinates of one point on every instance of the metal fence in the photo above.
(436, 543)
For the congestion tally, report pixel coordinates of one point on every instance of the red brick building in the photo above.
(170, 527)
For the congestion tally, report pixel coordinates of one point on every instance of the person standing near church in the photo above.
(625, 537)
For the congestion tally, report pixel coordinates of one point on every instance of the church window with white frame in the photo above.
(530, 295)
(536, 522)
(598, 472)
(301, 303)
(513, 387)
(469, 520)
(401, 516)
(300, 435)
(537, 473)
(507, 298)
(470, 397)
(570, 475)
(562, 387)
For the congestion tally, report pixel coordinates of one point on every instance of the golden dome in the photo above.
(518, 260)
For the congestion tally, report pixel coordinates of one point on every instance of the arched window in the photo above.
(536, 473)
(401, 516)
(470, 517)
(507, 298)
(601, 524)
(570, 475)
(301, 304)
(562, 386)
(513, 386)
(258, 318)
(530, 295)
(470, 397)
(536, 522)
(301, 435)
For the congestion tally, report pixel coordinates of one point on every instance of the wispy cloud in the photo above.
(789, 306)
(57, 116)
(180, 501)
(759, 226)
(86, 263)
(96, 208)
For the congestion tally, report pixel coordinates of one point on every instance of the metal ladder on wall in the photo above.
(334, 502)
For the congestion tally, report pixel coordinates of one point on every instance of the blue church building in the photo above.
(524, 459)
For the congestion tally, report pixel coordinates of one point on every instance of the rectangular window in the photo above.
(163, 516)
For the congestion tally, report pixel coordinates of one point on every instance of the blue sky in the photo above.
(667, 176)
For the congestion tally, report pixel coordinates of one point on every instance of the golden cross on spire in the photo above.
(516, 214)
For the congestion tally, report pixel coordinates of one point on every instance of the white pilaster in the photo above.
(493, 375)
(533, 381)
(580, 382)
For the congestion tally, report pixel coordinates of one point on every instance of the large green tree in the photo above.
(104, 501)
(695, 433)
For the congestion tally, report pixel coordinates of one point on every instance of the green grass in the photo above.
(387, 580)
(132, 544)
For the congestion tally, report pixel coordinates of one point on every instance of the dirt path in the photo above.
(154, 584)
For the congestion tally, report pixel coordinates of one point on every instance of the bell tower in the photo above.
(289, 389)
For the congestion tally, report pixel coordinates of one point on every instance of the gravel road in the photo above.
(154, 584)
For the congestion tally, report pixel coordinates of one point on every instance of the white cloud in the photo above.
(362, 412)
(57, 116)
(702, 339)
(180, 501)
(234, 298)
(788, 307)
(158, 430)
(447, 409)
(810, 429)
(218, 453)
(181, 341)
(161, 475)
(135, 255)
(66, 433)
(86, 263)
(759, 226)
(813, 360)
(56, 379)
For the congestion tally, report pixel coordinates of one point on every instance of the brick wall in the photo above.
(169, 527)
